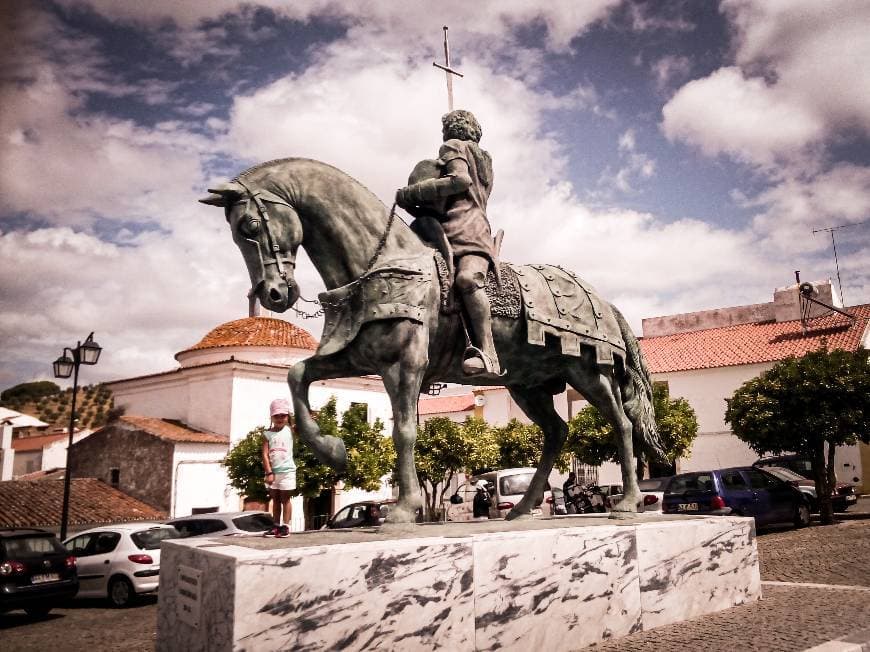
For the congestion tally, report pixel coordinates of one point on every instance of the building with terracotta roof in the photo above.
(38, 503)
(705, 356)
(223, 385)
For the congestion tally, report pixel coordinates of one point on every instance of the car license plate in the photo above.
(45, 577)
(688, 507)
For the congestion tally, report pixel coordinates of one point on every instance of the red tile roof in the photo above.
(38, 503)
(256, 331)
(446, 404)
(47, 474)
(753, 343)
(171, 430)
(36, 443)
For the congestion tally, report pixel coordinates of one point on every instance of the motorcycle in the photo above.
(585, 499)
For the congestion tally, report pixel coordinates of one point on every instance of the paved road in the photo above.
(793, 615)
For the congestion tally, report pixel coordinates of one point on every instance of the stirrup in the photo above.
(490, 367)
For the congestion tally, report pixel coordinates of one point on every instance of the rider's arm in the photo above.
(454, 180)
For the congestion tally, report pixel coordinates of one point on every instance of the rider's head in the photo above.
(461, 124)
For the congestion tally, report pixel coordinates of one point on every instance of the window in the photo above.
(758, 480)
(204, 510)
(105, 542)
(691, 483)
(362, 409)
(733, 480)
(254, 522)
(115, 477)
(512, 485)
(19, 547)
(150, 539)
(79, 545)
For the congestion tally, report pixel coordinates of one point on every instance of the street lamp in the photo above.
(65, 366)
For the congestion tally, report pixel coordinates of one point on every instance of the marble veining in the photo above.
(696, 567)
(563, 585)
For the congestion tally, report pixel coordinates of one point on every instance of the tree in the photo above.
(521, 445)
(805, 405)
(26, 392)
(441, 451)
(370, 456)
(591, 438)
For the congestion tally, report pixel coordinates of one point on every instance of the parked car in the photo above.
(797, 463)
(367, 513)
(119, 561)
(740, 491)
(842, 497)
(36, 572)
(653, 492)
(223, 524)
(506, 488)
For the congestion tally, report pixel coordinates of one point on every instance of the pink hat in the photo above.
(279, 406)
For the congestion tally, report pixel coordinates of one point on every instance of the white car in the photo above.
(119, 561)
(223, 524)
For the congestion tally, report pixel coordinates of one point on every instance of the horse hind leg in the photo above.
(538, 406)
(604, 393)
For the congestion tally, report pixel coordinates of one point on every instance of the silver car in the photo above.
(223, 524)
(119, 561)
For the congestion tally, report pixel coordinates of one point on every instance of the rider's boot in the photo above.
(485, 361)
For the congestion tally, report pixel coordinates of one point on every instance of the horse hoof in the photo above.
(514, 515)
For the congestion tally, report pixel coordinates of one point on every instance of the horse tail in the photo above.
(637, 394)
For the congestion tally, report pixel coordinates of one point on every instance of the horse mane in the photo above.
(290, 159)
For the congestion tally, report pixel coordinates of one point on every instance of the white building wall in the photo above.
(199, 480)
(164, 398)
(54, 454)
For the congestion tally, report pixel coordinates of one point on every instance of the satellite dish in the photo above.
(479, 400)
(807, 289)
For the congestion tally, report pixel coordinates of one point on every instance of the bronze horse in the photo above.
(362, 250)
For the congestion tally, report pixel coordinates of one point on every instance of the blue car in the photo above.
(739, 491)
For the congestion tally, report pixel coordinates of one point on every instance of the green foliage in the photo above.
(370, 456)
(26, 392)
(521, 444)
(591, 440)
(445, 448)
(803, 404)
(244, 464)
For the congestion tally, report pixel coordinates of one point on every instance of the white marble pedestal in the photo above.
(549, 584)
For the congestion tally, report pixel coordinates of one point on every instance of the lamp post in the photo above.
(65, 366)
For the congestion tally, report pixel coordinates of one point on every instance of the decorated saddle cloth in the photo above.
(559, 303)
(395, 289)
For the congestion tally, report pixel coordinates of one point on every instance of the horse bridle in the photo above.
(258, 198)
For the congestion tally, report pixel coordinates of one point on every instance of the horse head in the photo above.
(268, 232)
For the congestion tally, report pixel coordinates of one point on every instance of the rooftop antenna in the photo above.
(448, 71)
(805, 295)
(831, 229)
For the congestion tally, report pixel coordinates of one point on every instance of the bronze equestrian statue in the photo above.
(388, 308)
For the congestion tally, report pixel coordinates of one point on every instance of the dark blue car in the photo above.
(739, 491)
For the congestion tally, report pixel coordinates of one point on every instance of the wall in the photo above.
(199, 479)
(145, 463)
(54, 455)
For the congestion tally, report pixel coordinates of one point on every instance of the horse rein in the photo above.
(271, 241)
(275, 249)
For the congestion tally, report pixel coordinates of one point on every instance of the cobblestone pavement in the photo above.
(789, 617)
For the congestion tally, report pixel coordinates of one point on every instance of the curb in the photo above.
(858, 641)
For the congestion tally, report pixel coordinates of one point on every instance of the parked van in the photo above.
(506, 488)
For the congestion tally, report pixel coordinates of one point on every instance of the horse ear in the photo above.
(223, 194)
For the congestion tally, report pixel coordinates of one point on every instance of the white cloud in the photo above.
(748, 119)
(670, 68)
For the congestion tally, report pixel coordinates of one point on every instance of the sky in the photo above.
(677, 155)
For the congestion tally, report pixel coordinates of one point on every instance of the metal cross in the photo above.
(448, 71)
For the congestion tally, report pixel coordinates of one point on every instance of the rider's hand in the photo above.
(403, 198)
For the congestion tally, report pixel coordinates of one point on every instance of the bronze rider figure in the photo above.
(455, 192)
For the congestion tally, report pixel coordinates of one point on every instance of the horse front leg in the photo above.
(327, 449)
(402, 380)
